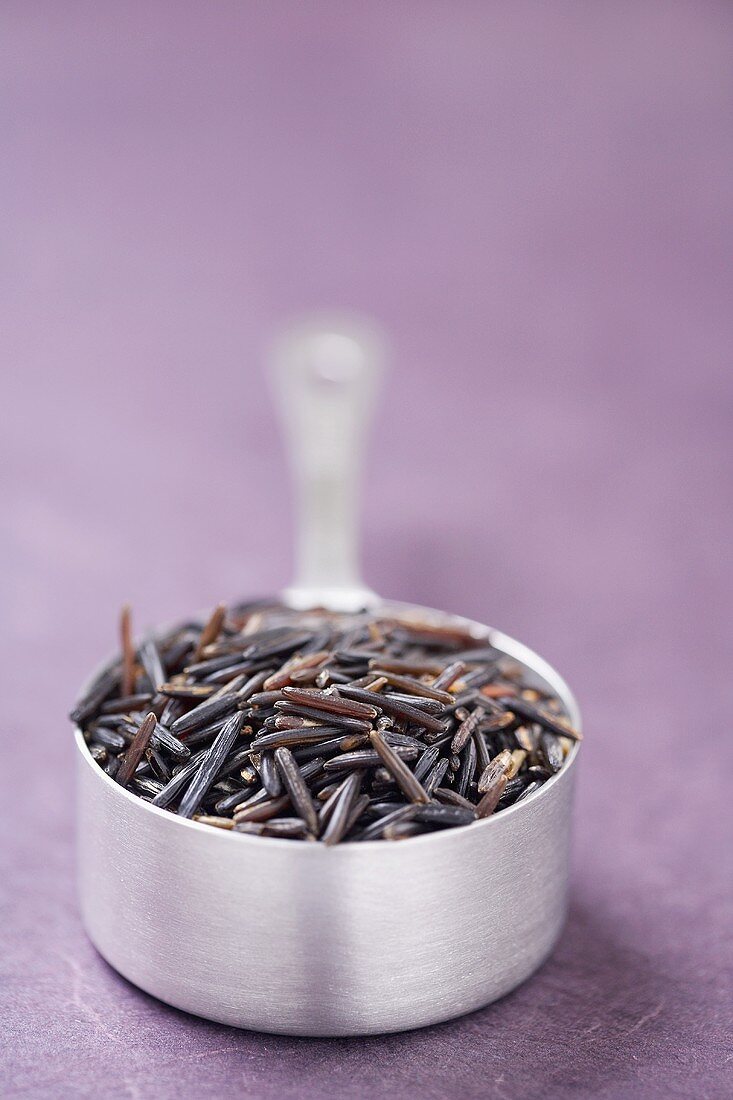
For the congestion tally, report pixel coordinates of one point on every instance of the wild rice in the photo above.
(134, 753)
(337, 815)
(297, 788)
(211, 763)
(128, 651)
(317, 725)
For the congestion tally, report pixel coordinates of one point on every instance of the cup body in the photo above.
(297, 938)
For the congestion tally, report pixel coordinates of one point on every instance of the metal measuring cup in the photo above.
(303, 939)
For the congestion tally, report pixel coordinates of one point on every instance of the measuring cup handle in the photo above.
(326, 375)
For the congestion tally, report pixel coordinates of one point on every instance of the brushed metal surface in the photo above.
(290, 937)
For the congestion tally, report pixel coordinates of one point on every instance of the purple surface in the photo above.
(535, 200)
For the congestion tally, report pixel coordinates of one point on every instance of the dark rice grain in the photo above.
(297, 788)
(210, 765)
(134, 753)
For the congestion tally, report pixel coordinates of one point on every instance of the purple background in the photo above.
(535, 200)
